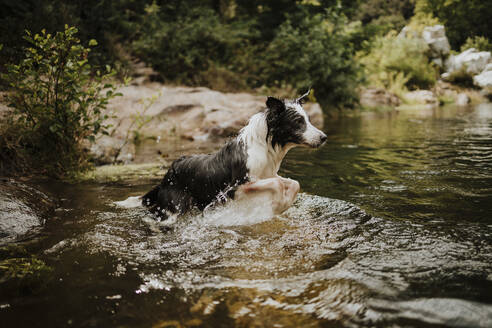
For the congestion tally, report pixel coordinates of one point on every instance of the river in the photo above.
(392, 228)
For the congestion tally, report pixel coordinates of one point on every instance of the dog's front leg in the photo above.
(291, 188)
(282, 191)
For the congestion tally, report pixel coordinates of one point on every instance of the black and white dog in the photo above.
(245, 166)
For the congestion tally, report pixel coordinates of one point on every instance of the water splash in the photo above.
(130, 202)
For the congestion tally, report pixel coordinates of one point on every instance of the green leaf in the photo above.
(92, 43)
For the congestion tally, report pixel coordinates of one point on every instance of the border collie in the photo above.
(245, 165)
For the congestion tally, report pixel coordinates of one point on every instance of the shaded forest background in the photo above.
(237, 45)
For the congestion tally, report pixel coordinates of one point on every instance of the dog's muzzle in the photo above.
(318, 142)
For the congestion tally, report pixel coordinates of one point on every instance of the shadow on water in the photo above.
(399, 234)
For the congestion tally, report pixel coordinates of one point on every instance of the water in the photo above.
(393, 228)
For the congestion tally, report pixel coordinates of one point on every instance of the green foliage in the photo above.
(478, 42)
(23, 275)
(315, 52)
(106, 21)
(397, 63)
(379, 17)
(420, 21)
(57, 103)
(372, 10)
(196, 42)
(463, 19)
(299, 46)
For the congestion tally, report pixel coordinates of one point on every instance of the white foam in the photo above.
(248, 211)
(130, 202)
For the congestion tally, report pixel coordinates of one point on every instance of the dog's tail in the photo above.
(150, 198)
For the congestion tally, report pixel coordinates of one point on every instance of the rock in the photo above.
(435, 37)
(112, 150)
(438, 61)
(23, 209)
(484, 79)
(462, 99)
(407, 32)
(179, 113)
(378, 97)
(470, 61)
(424, 97)
(141, 73)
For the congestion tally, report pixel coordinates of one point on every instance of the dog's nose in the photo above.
(323, 138)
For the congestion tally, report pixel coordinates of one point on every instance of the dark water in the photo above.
(393, 229)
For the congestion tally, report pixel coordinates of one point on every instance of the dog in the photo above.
(245, 166)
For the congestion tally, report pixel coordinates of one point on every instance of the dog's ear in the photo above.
(302, 99)
(275, 104)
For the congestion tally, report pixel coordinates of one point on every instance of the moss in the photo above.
(114, 173)
(12, 250)
(23, 275)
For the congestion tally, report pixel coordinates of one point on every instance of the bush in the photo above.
(315, 52)
(301, 46)
(182, 51)
(397, 63)
(478, 42)
(57, 103)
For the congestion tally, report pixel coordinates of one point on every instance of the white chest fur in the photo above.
(263, 160)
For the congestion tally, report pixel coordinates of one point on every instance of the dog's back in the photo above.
(199, 180)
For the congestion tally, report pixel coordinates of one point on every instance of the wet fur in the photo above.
(199, 180)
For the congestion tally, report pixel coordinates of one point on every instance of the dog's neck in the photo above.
(263, 159)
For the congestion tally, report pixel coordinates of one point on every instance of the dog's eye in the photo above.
(299, 120)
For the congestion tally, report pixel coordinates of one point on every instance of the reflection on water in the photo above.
(407, 245)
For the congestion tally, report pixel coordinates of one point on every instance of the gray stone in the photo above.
(23, 210)
(378, 97)
(435, 37)
(179, 113)
(484, 79)
(111, 150)
(462, 99)
(438, 61)
(424, 97)
(470, 61)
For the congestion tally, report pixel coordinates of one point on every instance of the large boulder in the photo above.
(484, 79)
(111, 150)
(23, 210)
(422, 97)
(178, 113)
(470, 62)
(378, 97)
(435, 37)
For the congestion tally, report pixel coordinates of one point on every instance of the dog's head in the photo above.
(288, 124)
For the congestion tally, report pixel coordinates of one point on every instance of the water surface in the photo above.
(393, 228)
